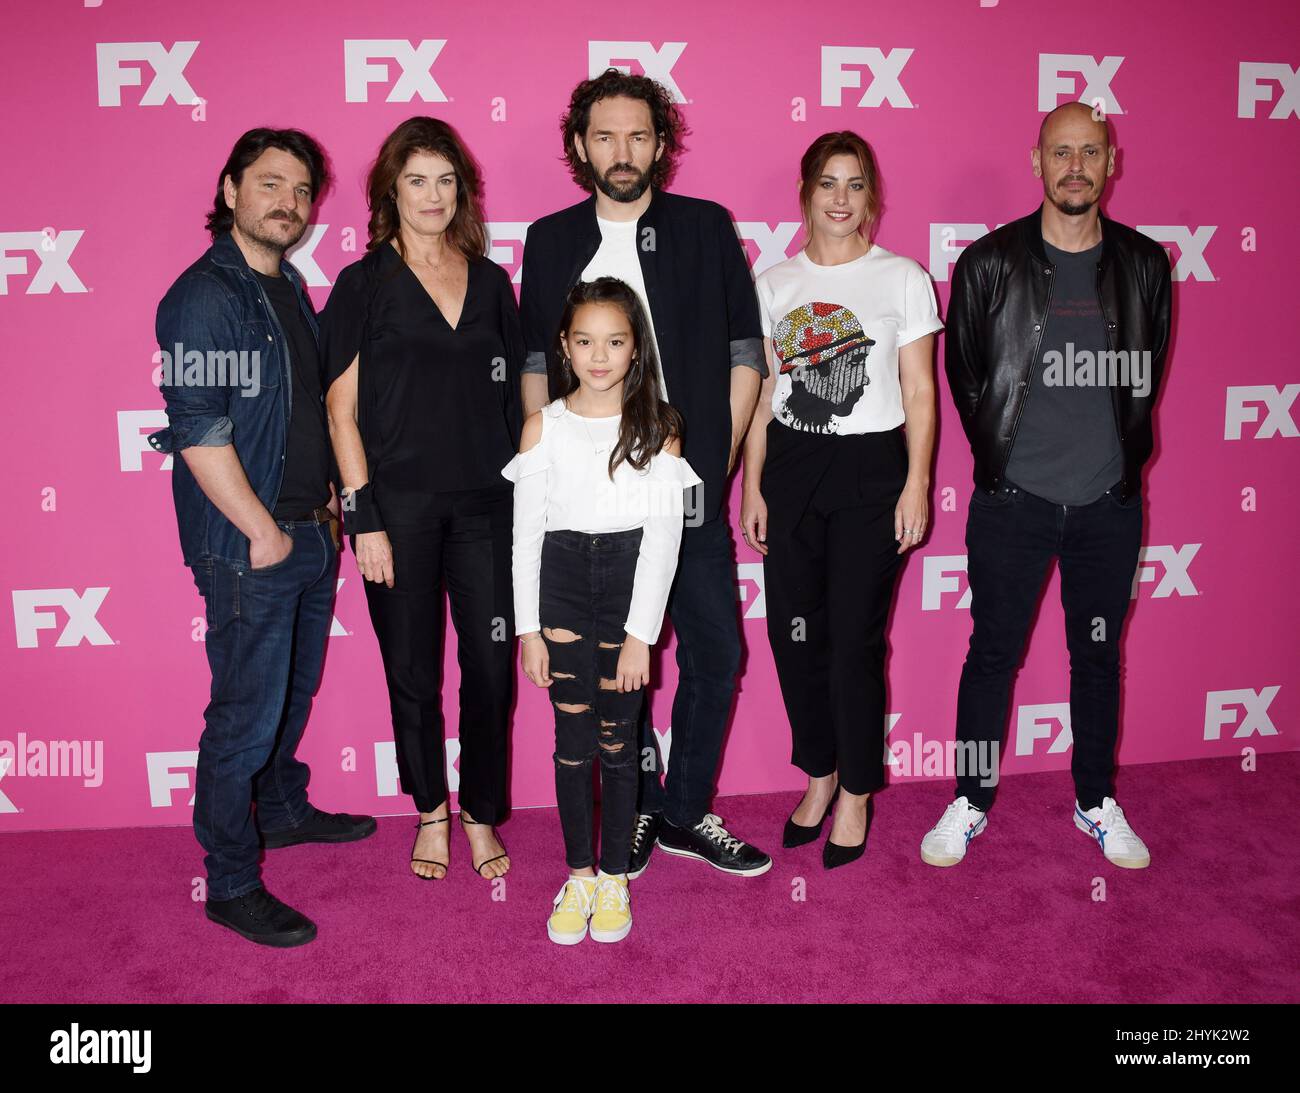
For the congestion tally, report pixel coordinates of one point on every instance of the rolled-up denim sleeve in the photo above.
(194, 316)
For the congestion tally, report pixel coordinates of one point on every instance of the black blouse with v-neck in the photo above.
(438, 407)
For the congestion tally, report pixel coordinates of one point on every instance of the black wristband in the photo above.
(360, 512)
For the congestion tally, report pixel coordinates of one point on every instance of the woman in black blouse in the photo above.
(423, 354)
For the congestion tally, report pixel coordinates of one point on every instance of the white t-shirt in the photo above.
(836, 332)
(562, 484)
(617, 257)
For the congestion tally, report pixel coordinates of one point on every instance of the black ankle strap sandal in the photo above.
(429, 861)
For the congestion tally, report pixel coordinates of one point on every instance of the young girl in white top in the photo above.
(598, 514)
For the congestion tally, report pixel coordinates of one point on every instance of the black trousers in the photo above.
(467, 548)
(829, 576)
(586, 589)
(1011, 538)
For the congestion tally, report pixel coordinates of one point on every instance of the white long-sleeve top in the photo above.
(563, 484)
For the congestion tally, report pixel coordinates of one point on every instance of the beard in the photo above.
(624, 192)
(260, 230)
(1073, 206)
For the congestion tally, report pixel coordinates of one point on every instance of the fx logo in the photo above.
(6, 805)
(1277, 404)
(655, 63)
(1176, 581)
(133, 427)
(506, 245)
(302, 256)
(1034, 723)
(169, 770)
(1056, 77)
(386, 777)
(748, 573)
(1221, 709)
(52, 248)
(1253, 79)
(772, 243)
(940, 574)
(168, 65)
(886, 72)
(891, 760)
(1190, 262)
(79, 607)
(336, 627)
(414, 62)
(947, 241)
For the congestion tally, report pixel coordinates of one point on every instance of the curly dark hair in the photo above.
(669, 125)
(246, 151)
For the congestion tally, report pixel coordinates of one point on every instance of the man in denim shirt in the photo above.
(257, 512)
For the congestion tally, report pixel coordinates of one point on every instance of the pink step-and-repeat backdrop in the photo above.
(117, 116)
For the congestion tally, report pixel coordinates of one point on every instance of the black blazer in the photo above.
(702, 303)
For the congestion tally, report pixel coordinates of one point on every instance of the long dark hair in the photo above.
(666, 120)
(648, 421)
(466, 232)
(245, 152)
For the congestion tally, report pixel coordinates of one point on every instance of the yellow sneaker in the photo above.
(612, 918)
(568, 922)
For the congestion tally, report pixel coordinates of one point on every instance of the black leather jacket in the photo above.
(1001, 290)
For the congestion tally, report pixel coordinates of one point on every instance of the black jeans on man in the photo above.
(468, 548)
(703, 608)
(586, 590)
(1011, 538)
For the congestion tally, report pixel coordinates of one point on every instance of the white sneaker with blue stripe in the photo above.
(947, 841)
(1108, 827)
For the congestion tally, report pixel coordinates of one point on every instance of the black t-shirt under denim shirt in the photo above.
(438, 407)
(1066, 448)
(306, 484)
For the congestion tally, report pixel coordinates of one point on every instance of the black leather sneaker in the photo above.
(711, 842)
(322, 827)
(643, 842)
(260, 917)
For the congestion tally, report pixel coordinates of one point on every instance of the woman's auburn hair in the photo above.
(812, 164)
(466, 232)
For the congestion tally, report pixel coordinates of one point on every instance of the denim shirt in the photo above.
(217, 308)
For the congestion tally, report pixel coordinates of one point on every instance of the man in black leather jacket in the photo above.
(1058, 328)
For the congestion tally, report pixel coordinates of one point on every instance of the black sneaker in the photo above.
(260, 917)
(322, 827)
(643, 842)
(710, 841)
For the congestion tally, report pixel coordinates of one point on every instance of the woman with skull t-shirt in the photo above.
(834, 488)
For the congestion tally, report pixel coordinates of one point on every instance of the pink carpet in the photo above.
(106, 916)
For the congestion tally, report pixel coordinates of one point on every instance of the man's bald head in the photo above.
(1070, 116)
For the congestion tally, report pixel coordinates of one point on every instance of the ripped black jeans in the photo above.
(586, 589)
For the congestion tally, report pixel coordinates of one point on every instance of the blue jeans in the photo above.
(266, 642)
(1011, 538)
(703, 608)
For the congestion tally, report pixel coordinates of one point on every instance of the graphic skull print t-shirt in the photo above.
(836, 332)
